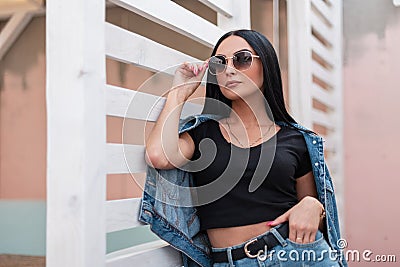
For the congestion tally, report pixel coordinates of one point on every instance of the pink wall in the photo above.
(23, 134)
(371, 130)
(23, 116)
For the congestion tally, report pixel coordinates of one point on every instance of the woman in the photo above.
(253, 211)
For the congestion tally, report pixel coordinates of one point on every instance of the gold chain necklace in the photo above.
(258, 139)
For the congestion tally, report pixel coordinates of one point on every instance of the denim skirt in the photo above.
(287, 253)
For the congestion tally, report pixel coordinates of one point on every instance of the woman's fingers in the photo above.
(312, 236)
(188, 77)
(204, 66)
(302, 233)
(292, 233)
(306, 238)
(195, 68)
(300, 238)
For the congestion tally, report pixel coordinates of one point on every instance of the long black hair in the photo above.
(272, 82)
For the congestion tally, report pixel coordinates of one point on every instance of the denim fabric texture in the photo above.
(180, 226)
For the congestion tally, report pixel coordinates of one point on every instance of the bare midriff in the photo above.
(231, 236)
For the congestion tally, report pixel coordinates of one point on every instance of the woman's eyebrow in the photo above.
(244, 49)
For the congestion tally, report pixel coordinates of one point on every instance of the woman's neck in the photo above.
(249, 113)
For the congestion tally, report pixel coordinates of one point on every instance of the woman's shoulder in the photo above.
(292, 137)
(299, 129)
(287, 130)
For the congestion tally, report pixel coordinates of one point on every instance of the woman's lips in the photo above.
(231, 84)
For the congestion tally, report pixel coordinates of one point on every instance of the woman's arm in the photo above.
(165, 149)
(305, 217)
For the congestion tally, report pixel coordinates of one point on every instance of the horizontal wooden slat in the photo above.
(122, 214)
(322, 73)
(157, 253)
(223, 7)
(324, 9)
(132, 104)
(325, 31)
(132, 48)
(124, 158)
(322, 51)
(120, 99)
(7, 11)
(323, 96)
(173, 16)
(322, 118)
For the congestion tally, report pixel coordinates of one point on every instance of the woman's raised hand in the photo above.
(187, 78)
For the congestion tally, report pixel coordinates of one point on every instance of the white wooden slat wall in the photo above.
(156, 253)
(78, 156)
(120, 99)
(122, 214)
(133, 48)
(315, 28)
(176, 18)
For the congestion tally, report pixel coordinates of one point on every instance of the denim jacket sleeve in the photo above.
(166, 207)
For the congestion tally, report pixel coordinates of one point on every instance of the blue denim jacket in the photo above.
(180, 226)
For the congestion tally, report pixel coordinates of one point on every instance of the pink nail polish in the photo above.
(270, 223)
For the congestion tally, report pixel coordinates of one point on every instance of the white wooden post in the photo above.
(76, 133)
(300, 79)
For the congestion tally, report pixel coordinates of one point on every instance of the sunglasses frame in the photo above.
(226, 61)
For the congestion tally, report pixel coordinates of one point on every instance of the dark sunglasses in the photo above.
(242, 61)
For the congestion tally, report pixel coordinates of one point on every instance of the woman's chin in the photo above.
(231, 93)
(237, 94)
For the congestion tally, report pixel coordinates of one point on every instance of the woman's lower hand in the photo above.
(304, 219)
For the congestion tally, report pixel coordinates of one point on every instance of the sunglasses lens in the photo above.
(242, 60)
(216, 64)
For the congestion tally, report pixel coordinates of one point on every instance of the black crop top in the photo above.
(234, 168)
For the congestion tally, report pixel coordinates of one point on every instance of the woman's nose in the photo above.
(230, 68)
